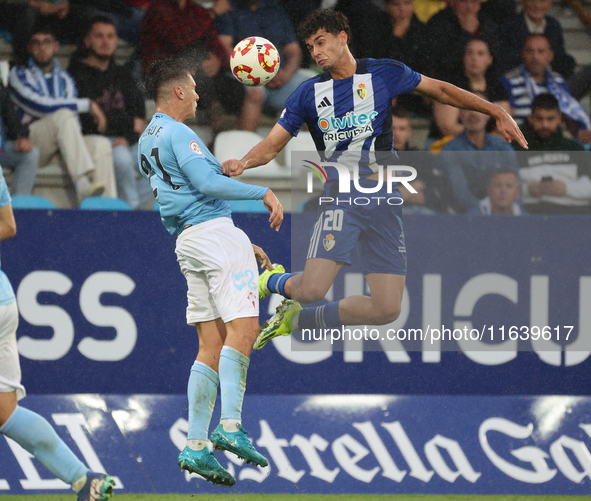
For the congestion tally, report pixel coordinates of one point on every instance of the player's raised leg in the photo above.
(32, 431)
(382, 307)
(201, 392)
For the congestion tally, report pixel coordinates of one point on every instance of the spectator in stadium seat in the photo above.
(182, 27)
(535, 77)
(18, 152)
(558, 183)
(400, 35)
(269, 20)
(533, 20)
(468, 162)
(46, 96)
(114, 90)
(298, 10)
(451, 29)
(478, 76)
(503, 195)
(430, 183)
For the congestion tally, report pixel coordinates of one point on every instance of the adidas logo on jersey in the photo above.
(324, 103)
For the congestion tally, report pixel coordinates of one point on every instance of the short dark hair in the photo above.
(96, 20)
(42, 28)
(545, 101)
(535, 35)
(400, 112)
(328, 19)
(504, 170)
(166, 70)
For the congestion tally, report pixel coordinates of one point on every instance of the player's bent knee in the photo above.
(386, 315)
(311, 293)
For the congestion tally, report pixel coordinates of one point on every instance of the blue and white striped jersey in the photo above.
(6, 292)
(353, 114)
(185, 177)
(37, 94)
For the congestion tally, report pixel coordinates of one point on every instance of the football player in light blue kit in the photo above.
(28, 429)
(217, 260)
(348, 111)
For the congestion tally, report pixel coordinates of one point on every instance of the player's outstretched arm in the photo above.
(447, 93)
(275, 209)
(261, 154)
(7, 223)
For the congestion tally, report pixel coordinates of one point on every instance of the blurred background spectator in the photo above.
(534, 77)
(269, 20)
(399, 35)
(64, 18)
(534, 20)
(298, 10)
(468, 163)
(114, 90)
(17, 151)
(182, 27)
(503, 195)
(478, 75)
(430, 184)
(450, 31)
(558, 183)
(48, 102)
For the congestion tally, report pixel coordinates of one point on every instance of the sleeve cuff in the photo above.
(83, 105)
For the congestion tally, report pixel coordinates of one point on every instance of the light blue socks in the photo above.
(233, 369)
(201, 392)
(34, 434)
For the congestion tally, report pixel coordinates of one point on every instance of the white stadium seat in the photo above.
(302, 142)
(236, 144)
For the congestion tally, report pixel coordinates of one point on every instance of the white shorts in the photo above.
(10, 368)
(221, 271)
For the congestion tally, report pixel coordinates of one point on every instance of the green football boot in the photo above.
(204, 463)
(264, 278)
(238, 443)
(279, 324)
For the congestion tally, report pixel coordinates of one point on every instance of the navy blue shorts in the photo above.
(367, 225)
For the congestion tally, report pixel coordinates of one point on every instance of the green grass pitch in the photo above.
(297, 497)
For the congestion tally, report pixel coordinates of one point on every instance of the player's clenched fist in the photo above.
(233, 168)
(275, 208)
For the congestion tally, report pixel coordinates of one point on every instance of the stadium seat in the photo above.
(236, 144)
(31, 202)
(302, 142)
(103, 203)
(247, 206)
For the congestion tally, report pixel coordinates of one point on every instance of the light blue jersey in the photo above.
(6, 292)
(186, 179)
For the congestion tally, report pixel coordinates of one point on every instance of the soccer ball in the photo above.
(254, 61)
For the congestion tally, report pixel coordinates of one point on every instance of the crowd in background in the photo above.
(92, 112)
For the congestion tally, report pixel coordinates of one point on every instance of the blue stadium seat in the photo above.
(103, 203)
(31, 202)
(247, 206)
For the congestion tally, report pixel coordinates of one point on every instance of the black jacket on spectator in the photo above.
(514, 33)
(116, 92)
(10, 122)
(412, 49)
(448, 42)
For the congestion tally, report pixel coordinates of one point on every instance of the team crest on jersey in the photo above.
(362, 91)
(195, 148)
(328, 242)
(252, 298)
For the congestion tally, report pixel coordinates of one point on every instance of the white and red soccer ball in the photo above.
(254, 61)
